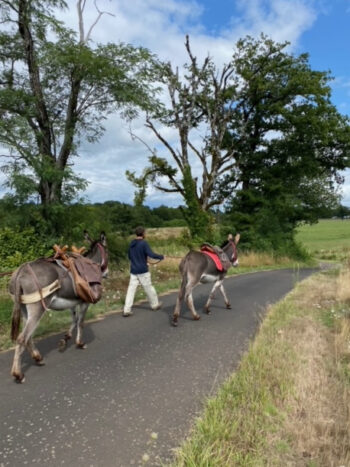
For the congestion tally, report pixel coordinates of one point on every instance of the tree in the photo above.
(290, 143)
(55, 89)
(200, 112)
(262, 134)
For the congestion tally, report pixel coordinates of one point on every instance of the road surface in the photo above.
(130, 398)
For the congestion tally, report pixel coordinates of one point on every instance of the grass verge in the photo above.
(289, 402)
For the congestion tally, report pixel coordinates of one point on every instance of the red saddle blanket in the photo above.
(215, 258)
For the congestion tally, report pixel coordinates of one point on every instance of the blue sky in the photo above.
(319, 27)
(327, 43)
(326, 40)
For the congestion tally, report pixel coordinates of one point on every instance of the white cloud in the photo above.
(279, 19)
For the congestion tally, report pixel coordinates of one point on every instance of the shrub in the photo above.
(17, 247)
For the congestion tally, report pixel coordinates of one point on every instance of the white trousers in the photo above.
(145, 281)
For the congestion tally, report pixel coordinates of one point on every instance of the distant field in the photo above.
(326, 235)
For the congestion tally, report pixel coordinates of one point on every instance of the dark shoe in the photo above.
(129, 313)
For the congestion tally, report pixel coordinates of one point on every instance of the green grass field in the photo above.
(328, 237)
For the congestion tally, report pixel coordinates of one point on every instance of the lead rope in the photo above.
(153, 263)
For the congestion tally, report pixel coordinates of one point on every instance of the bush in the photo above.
(117, 247)
(17, 247)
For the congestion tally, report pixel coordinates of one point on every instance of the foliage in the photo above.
(262, 131)
(17, 247)
(198, 220)
(55, 89)
(68, 223)
(291, 144)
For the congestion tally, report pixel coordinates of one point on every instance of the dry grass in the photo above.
(343, 286)
(254, 260)
(318, 422)
(318, 292)
(165, 233)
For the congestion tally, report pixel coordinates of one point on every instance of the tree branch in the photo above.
(80, 7)
(150, 125)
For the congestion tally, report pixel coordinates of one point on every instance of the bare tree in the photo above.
(201, 103)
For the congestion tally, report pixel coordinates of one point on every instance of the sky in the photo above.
(319, 27)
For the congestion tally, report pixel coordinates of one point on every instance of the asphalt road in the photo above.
(135, 391)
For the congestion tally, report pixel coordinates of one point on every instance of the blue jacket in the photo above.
(138, 252)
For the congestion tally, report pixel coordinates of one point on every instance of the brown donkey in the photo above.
(41, 285)
(195, 268)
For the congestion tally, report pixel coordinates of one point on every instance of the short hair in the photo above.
(139, 231)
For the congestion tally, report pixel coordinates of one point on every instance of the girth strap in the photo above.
(40, 290)
(44, 292)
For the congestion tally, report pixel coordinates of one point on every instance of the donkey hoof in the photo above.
(81, 345)
(207, 311)
(174, 323)
(19, 379)
(40, 362)
(62, 345)
(228, 306)
(196, 317)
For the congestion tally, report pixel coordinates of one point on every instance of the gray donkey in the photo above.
(41, 285)
(196, 267)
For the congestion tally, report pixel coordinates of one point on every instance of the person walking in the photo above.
(138, 252)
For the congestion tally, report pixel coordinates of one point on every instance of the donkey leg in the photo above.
(179, 300)
(176, 313)
(34, 313)
(16, 370)
(31, 347)
(190, 305)
(34, 352)
(228, 304)
(211, 296)
(62, 345)
(189, 301)
(80, 323)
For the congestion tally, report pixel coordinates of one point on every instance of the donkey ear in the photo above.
(229, 237)
(87, 236)
(237, 237)
(103, 239)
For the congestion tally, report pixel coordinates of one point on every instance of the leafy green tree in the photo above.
(290, 143)
(55, 89)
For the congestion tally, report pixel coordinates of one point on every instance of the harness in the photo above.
(41, 292)
(85, 276)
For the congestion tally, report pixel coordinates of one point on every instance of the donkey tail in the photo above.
(16, 312)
